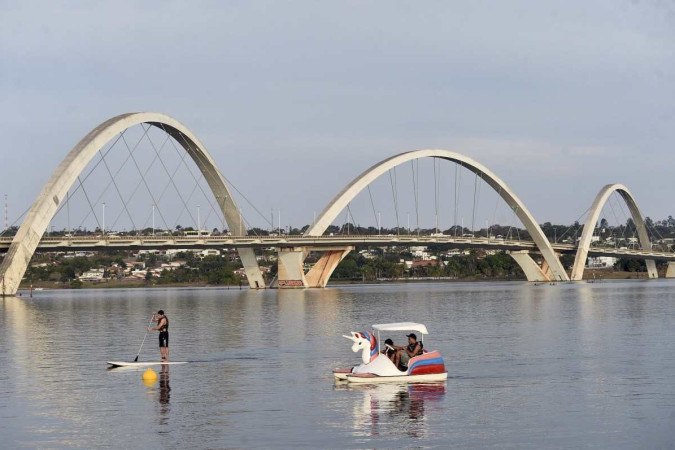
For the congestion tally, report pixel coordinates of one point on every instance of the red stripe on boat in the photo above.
(428, 369)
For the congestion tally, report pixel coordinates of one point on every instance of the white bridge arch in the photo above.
(45, 206)
(554, 271)
(589, 227)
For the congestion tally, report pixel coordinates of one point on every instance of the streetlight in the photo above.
(153, 219)
(103, 221)
(379, 223)
(199, 227)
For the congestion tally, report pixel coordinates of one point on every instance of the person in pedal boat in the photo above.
(390, 351)
(414, 348)
(163, 328)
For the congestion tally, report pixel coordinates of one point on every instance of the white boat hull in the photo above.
(341, 374)
(427, 378)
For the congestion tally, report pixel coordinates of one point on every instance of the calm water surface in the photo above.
(566, 366)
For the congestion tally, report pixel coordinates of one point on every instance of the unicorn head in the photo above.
(366, 342)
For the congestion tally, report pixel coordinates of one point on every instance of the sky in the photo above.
(294, 99)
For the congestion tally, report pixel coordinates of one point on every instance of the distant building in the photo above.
(601, 262)
(94, 275)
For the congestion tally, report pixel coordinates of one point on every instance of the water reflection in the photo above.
(164, 395)
(394, 410)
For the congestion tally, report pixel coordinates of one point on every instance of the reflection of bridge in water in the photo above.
(293, 250)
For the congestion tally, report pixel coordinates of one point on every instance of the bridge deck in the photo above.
(105, 242)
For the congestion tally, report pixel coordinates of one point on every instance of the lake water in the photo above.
(564, 366)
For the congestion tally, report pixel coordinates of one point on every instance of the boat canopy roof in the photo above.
(401, 326)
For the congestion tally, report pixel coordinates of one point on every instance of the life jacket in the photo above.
(411, 347)
(165, 327)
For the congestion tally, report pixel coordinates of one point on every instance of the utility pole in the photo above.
(279, 222)
(408, 223)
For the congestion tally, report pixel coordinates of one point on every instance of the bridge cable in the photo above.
(145, 182)
(394, 193)
(100, 196)
(218, 172)
(207, 197)
(372, 204)
(110, 147)
(17, 220)
(81, 185)
(84, 191)
(197, 181)
(232, 185)
(473, 212)
(119, 194)
(185, 206)
(166, 186)
(353, 222)
(124, 163)
(236, 189)
(625, 214)
(417, 213)
(616, 218)
(497, 203)
(204, 160)
(91, 171)
(576, 221)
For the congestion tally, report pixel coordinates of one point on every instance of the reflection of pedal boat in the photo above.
(424, 368)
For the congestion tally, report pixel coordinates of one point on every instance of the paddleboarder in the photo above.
(163, 328)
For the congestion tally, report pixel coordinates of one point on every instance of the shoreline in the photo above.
(589, 276)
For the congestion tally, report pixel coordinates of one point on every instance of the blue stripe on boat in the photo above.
(427, 362)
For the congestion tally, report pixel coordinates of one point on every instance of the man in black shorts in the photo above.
(163, 328)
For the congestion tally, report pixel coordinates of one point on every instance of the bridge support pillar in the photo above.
(651, 268)
(670, 271)
(531, 269)
(250, 263)
(320, 273)
(291, 273)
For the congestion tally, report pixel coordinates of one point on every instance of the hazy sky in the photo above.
(295, 98)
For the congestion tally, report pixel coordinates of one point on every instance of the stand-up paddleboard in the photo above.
(114, 364)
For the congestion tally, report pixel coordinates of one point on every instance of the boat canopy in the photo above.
(401, 326)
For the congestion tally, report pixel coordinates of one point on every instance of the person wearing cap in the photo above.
(413, 349)
(163, 328)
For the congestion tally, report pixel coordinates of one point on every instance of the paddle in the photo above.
(146, 335)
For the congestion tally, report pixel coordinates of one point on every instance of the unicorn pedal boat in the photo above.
(378, 368)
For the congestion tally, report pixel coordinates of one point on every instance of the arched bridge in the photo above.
(293, 250)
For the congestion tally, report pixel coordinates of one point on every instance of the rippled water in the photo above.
(566, 366)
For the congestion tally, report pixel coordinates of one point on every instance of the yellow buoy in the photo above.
(149, 376)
